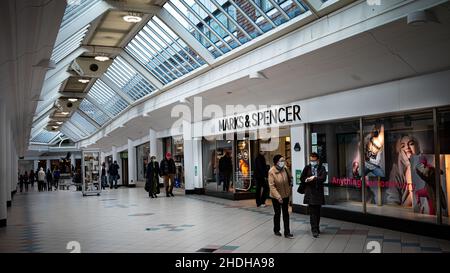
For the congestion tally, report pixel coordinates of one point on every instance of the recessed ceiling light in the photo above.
(101, 58)
(55, 127)
(132, 18)
(73, 100)
(83, 80)
(65, 113)
(59, 122)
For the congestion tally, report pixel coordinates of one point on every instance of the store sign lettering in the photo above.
(282, 115)
(358, 183)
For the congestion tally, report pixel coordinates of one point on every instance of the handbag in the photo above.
(301, 188)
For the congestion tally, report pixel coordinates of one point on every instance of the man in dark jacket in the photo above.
(314, 175)
(114, 171)
(168, 169)
(225, 170)
(261, 172)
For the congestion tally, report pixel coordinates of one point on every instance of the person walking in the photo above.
(225, 170)
(56, 176)
(280, 184)
(21, 182)
(167, 171)
(152, 183)
(314, 175)
(114, 170)
(32, 178)
(41, 179)
(26, 180)
(261, 173)
(49, 178)
(103, 176)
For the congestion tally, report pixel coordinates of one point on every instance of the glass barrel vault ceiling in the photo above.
(222, 25)
(219, 25)
(162, 52)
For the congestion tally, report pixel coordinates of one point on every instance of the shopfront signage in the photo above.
(276, 116)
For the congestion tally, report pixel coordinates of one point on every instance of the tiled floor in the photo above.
(126, 220)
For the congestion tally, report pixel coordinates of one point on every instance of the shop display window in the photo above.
(397, 165)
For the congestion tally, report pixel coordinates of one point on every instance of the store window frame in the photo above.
(435, 111)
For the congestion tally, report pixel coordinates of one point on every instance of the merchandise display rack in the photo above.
(91, 172)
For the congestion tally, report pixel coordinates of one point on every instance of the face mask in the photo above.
(313, 163)
(281, 164)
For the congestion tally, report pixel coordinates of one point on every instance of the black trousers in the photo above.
(261, 184)
(314, 217)
(226, 181)
(278, 208)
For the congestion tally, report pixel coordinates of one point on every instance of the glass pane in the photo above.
(337, 145)
(399, 162)
(105, 96)
(444, 141)
(69, 45)
(128, 79)
(83, 123)
(93, 112)
(162, 52)
(44, 137)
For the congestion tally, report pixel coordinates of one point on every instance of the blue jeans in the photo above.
(113, 178)
(377, 172)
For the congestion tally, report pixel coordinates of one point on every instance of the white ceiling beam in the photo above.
(52, 83)
(187, 37)
(141, 69)
(313, 7)
(82, 20)
(88, 118)
(134, 7)
(64, 63)
(116, 89)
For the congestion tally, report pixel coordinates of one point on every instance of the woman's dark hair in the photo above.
(315, 155)
(276, 158)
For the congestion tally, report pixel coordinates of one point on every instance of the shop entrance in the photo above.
(242, 154)
(175, 145)
(124, 176)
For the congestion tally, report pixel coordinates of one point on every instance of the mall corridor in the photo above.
(235, 113)
(126, 220)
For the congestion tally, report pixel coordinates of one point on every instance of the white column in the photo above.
(115, 158)
(189, 171)
(35, 165)
(73, 161)
(48, 165)
(197, 154)
(298, 159)
(131, 164)
(8, 165)
(114, 153)
(3, 188)
(15, 162)
(153, 149)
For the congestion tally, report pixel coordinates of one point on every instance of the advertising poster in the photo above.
(423, 173)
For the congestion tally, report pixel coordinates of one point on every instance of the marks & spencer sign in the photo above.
(271, 117)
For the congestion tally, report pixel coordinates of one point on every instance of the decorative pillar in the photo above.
(131, 164)
(298, 154)
(153, 149)
(8, 165)
(3, 179)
